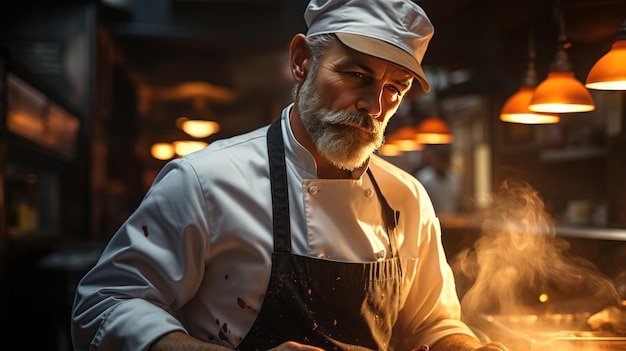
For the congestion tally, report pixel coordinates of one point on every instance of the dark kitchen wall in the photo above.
(578, 159)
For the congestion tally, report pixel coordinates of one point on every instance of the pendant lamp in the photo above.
(561, 92)
(609, 72)
(515, 108)
(197, 128)
(404, 139)
(162, 151)
(389, 149)
(434, 130)
(185, 147)
(198, 121)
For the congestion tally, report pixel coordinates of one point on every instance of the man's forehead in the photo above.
(348, 56)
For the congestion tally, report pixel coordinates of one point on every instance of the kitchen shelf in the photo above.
(612, 234)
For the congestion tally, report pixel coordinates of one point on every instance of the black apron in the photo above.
(329, 304)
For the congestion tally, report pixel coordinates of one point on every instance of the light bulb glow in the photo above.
(434, 130)
(162, 151)
(515, 109)
(609, 72)
(199, 128)
(185, 147)
(561, 92)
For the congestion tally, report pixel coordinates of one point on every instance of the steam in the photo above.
(519, 266)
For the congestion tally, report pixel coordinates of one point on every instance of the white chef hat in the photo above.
(393, 30)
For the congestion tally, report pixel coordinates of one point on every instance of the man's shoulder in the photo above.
(389, 172)
(244, 149)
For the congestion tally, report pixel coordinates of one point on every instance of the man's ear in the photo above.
(299, 57)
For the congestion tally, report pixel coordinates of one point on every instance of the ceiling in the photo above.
(238, 48)
(190, 37)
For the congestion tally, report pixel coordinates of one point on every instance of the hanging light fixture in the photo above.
(403, 140)
(434, 130)
(515, 108)
(197, 128)
(561, 92)
(185, 147)
(197, 123)
(162, 151)
(390, 149)
(609, 72)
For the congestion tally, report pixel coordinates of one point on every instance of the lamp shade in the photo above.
(199, 128)
(515, 109)
(609, 72)
(185, 147)
(404, 139)
(434, 130)
(162, 151)
(561, 92)
(390, 149)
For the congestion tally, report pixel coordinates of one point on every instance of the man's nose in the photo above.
(371, 102)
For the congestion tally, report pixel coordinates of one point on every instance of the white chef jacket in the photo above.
(195, 256)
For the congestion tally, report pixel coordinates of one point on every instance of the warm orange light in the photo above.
(404, 139)
(162, 151)
(434, 130)
(199, 128)
(515, 109)
(561, 92)
(389, 149)
(609, 72)
(185, 147)
(544, 297)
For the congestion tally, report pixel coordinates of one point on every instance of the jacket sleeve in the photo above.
(431, 307)
(152, 265)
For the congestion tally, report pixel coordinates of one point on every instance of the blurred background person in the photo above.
(441, 180)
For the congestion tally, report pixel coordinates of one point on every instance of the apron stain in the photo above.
(242, 303)
(223, 331)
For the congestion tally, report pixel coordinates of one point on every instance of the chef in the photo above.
(295, 236)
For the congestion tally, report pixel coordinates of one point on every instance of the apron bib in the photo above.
(329, 304)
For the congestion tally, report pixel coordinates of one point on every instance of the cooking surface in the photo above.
(555, 332)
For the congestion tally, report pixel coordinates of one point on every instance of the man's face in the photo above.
(346, 101)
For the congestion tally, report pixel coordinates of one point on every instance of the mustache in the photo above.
(356, 119)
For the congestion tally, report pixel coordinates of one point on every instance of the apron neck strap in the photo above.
(390, 217)
(280, 191)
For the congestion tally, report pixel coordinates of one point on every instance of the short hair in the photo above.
(318, 45)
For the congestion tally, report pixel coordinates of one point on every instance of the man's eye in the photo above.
(358, 75)
(395, 90)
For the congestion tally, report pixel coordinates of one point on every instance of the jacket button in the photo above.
(312, 189)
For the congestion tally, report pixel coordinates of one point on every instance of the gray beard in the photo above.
(345, 146)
